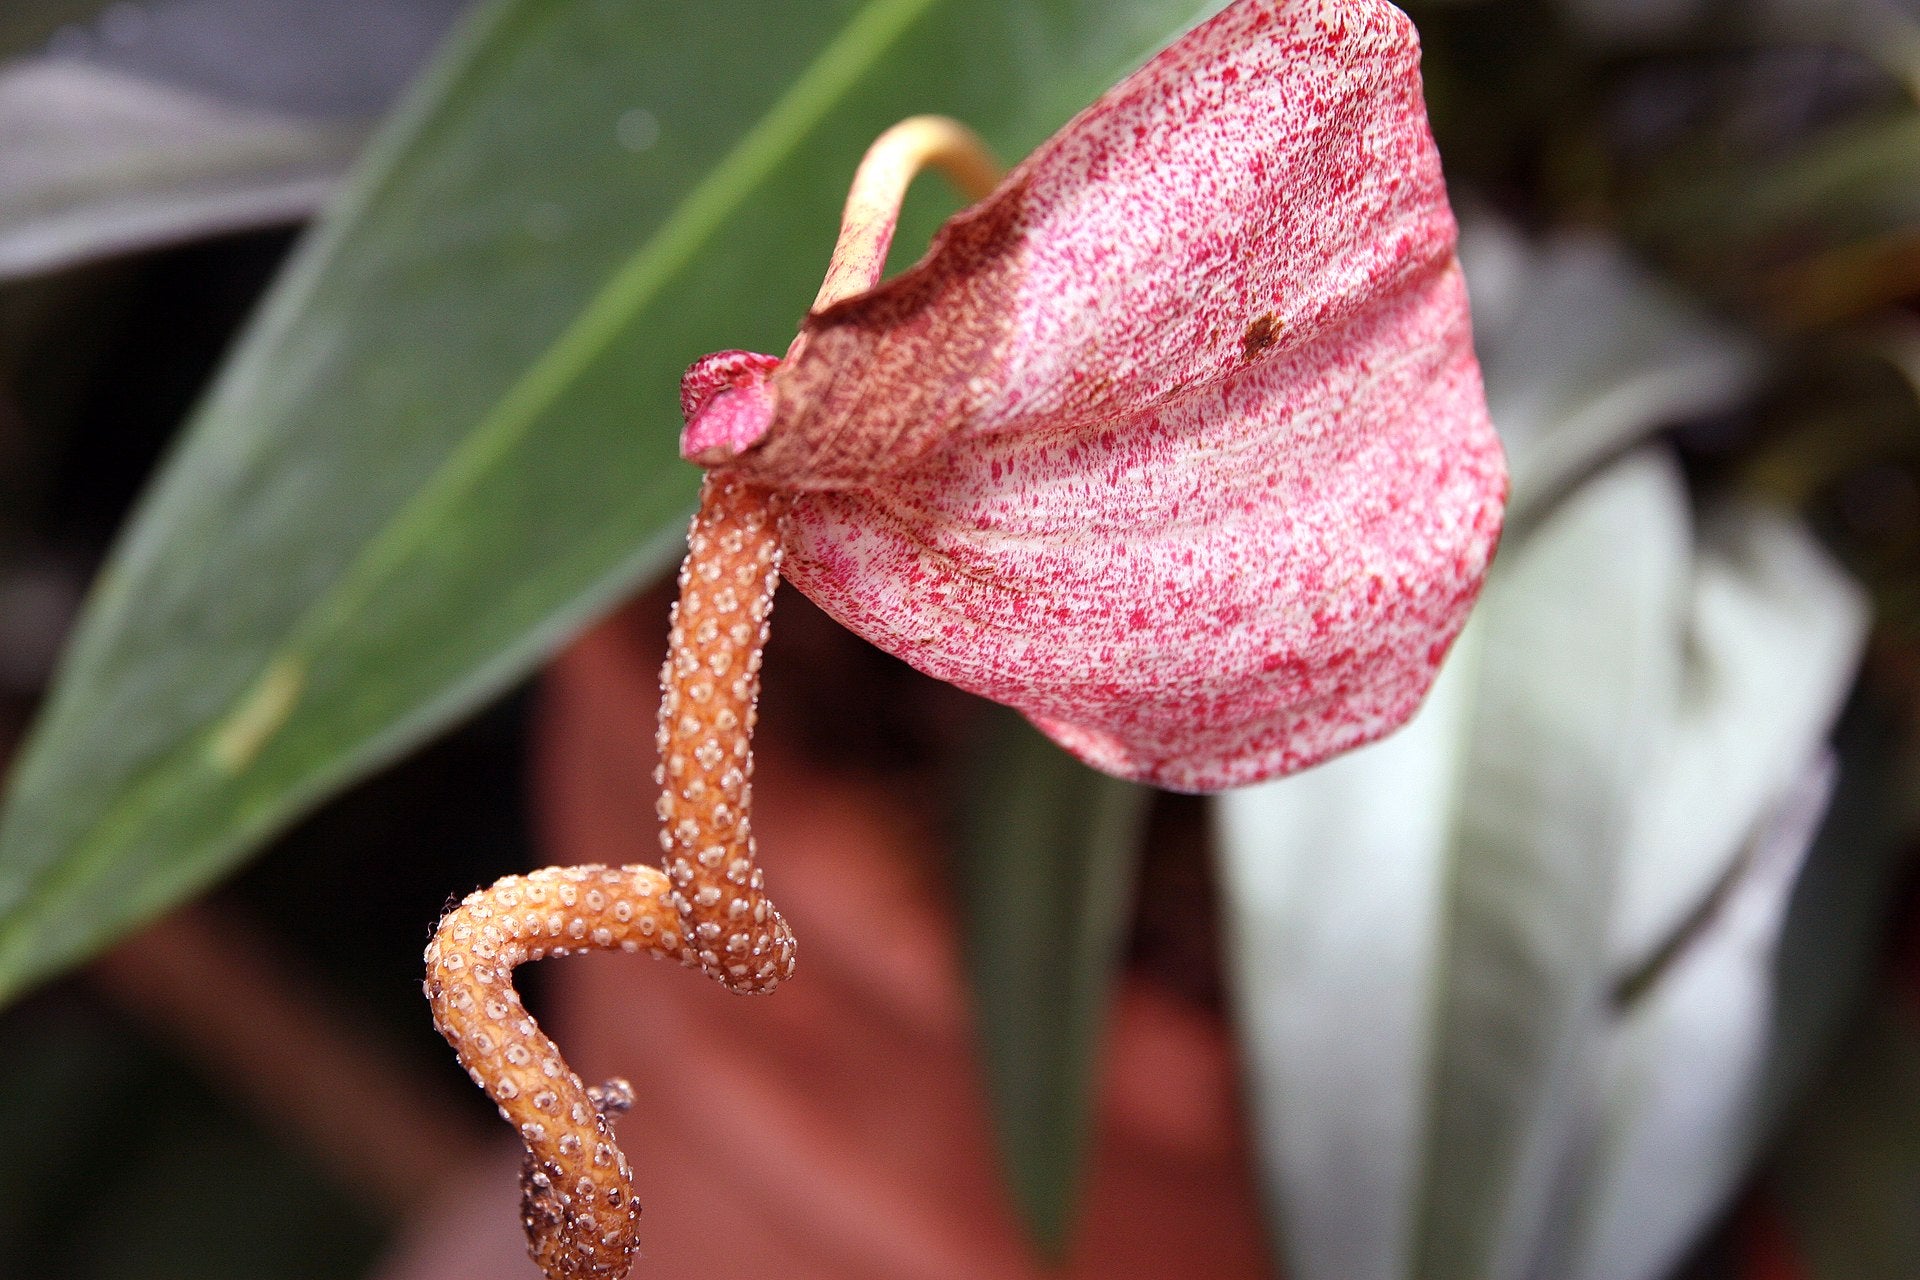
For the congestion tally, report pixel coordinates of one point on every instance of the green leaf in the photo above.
(448, 438)
(1854, 180)
(1811, 232)
(26, 24)
(1836, 933)
(1048, 860)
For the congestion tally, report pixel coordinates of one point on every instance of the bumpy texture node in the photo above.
(707, 910)
(710, 688)
(577, 1197)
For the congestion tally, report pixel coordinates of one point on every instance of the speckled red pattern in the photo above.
(1176, 442)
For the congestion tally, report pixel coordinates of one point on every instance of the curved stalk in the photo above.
(707, 908)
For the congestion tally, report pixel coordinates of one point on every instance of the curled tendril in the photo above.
(706, 907)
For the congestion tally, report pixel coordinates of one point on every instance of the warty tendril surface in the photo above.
(706, 906)
(707, 909)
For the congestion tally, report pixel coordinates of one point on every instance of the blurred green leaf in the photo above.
(26, 24)
(1822, 231)
(1897, 342)
(1838, 922)
(449, 436)
(1047, 866)
(195, 1191)
(1860, 178)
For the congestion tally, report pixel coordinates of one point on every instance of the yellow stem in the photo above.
(880, 185)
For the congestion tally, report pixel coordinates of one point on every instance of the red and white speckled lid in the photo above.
(1176, 442)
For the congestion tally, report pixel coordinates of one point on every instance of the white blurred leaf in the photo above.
(170, 120)
(98, 162)
(1770, 644)
(1576, 645)
(1682, 1074)
(1625, 723)
(1331, 896)
(341, 60)
(1425, 939)
(1730, 809)
(1584, 354)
